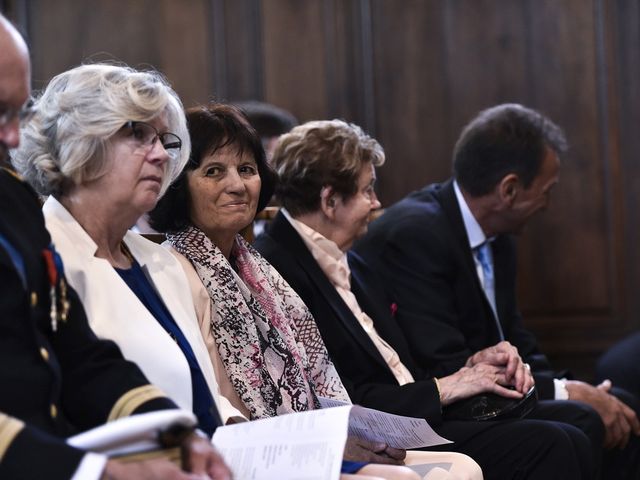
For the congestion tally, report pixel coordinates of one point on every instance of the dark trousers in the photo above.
(522, 449)
(624, 464)
(621, 365)
(616, 464)
(583, 426)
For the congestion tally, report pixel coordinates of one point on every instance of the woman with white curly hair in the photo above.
(105, 143)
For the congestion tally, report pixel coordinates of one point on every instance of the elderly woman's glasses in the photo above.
(23, 114)
(146, 135)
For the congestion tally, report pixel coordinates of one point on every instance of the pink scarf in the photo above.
(268, 341)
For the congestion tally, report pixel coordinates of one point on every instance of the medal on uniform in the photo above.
(57, 287)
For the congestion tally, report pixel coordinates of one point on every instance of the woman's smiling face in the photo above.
(224, 193)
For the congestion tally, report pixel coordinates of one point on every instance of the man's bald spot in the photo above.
(13, 49)
(15, 72)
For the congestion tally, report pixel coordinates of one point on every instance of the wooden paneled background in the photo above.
(412, 73)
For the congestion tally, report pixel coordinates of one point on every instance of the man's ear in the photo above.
(328, 201)
(508, 188)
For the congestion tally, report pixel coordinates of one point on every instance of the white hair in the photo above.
(65, 142)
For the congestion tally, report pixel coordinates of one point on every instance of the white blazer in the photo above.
(114, 311)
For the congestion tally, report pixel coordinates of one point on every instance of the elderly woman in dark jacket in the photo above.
(326, 172)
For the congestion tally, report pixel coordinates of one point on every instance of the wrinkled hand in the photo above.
(619, 420)
(199, 458)
(503, 354)
(159, 469)
(358, 450)
(469, 381)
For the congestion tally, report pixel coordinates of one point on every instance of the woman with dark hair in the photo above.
(225, 182)
(266, 350)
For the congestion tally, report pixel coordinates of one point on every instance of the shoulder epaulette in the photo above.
(13, 173)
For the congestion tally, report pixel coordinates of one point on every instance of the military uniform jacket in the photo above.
(54, 382)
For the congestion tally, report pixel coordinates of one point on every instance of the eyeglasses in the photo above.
(23, 114)
(146, 136)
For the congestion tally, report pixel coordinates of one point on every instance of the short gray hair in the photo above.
(64, 144)
(321, 153)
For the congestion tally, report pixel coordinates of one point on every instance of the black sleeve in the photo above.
(33, 454)
(416, 267)
(96, 378)
(367, 384)
(419, 268)
(54, 383)
(97, 385)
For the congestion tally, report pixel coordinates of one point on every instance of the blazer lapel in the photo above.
(178, 301)
(447, 198)
(287, 235)
(380, 312)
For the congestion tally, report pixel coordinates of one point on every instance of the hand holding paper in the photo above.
(151, 436)
(305, 445)
(311, 444)
(394, 430)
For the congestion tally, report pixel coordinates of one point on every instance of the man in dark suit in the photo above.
(447, 257)
(326, 186)
(57, 377)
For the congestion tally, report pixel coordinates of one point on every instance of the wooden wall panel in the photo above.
(184, 39)
(412, 95)
(566, 88)
(303, 56)
(487, 61)
(624, 28)
(570, 261)
(236, 29)
(170, 36)
(294, 43)
(346, 63)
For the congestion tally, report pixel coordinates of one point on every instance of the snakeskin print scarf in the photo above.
(267, 338)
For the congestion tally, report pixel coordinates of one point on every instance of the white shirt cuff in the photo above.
(561, 392)
(91, 467)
